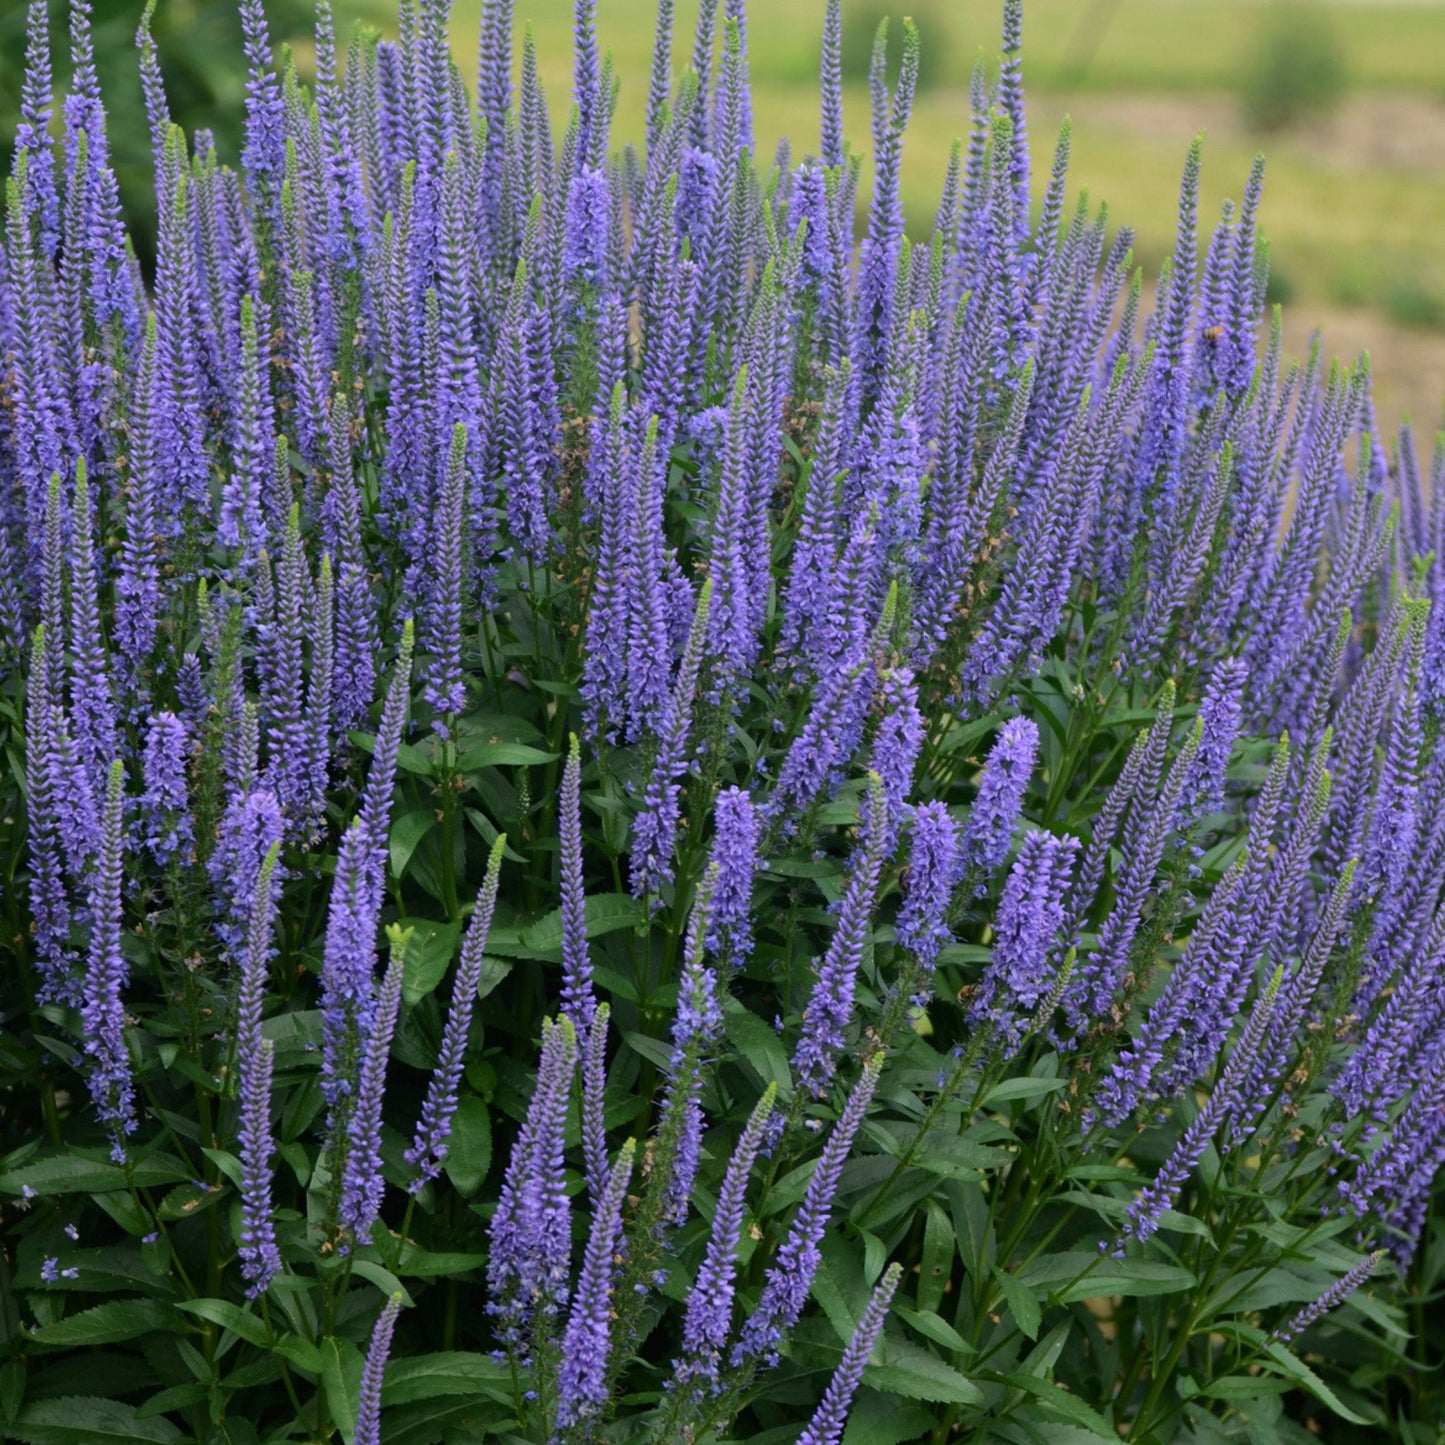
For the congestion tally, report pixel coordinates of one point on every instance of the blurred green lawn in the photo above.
(1354, 201)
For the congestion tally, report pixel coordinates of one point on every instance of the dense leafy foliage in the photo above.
(620, 826)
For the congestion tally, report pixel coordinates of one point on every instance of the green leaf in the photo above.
(411, 759)
(880, 1420)
(1063, 1405)
(1084, 1274)
(503, 755)
(75, 1173)
(494, 971)
(939, 1252)
(452, 1372)
(1292, 1367)
(406, 834)
(177, 1397)
(606, 913)
(423, 1264)
(341, 1364)
(450, 1418)
(909, 1370)
(87, 1420)
(1027, 1089)
(469, 1151)
(760, 1046)
(187, 1200)
(428, 956)
(933, 1327)
(383, 1279)
(251, 1328)
(1246, 1387)
(1021, 1302)
(109, 1322)
(300, 1351)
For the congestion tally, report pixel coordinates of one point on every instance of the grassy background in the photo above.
(1354, 200)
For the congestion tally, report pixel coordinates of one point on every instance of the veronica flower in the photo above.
(1027, 932)
(260, 1255)
(999, 801)
(830, 1005)
(102, 1012)
(1331, 1298)
(530, 1229)
(1149, 1205)
(429, 1147)
(826, 1426)
(735, 854)
(786, 1285)
(586, 1344)
(368, 1404)
(934, 871)
(166, 825)
(708, 1321)
(362, 1184)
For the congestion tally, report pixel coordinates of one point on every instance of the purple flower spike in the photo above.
(586, 1345)
(1026, 935)
(362, 1185)
(531, 1228)
(826, 1426)
(102, 1011)
(785, 1290)
(1332, 1298)
(735, 852)
(165, 824)
(1000, 797)
(708, 1321)
(579, 999)
(830, 1006)
(896, 746)
(260, 1256)
(428, 1150)
(368, 1405)
(934, 871)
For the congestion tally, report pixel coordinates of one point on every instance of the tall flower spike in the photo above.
(999, 802)
(429, 1147)
(934, 871)
(579, 999)
(1352, 1279)
(735, 852)
(655, 829)
(660, 78)
(587, 1343)
(263, 156)
(48, 898)
(93, 713)
(696, 1026)
(362, 1184)
(1147, 1207)
(260, 1256)
(102, 1011)
(878, 265)
(826, 1426)
(368, 1404)
(1027, 932)
(442, 616)
(830, 1006)
(897, 744)
(708, 1319)
(831, 85)
(165, 822)
(786, 1286)
(531, 1227)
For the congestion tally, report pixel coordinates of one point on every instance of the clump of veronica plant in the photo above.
(927, 769)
